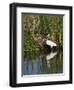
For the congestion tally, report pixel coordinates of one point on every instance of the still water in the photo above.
(50, 63)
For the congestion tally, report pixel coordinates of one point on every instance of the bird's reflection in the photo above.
(49, 57)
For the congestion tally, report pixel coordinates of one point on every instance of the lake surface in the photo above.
(50, 63)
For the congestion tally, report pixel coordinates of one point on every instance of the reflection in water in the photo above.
(51, 63)
(49, 57)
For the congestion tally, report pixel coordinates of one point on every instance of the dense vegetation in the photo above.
(38, 26)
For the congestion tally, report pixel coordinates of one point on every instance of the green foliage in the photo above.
(35, 26)
(29, 43)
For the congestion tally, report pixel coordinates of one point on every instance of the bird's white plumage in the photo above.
(50, 43)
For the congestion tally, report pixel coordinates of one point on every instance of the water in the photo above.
(50, 63)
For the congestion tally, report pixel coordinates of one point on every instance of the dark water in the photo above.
(50, 63)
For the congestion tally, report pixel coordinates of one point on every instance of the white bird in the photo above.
(50, 43)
